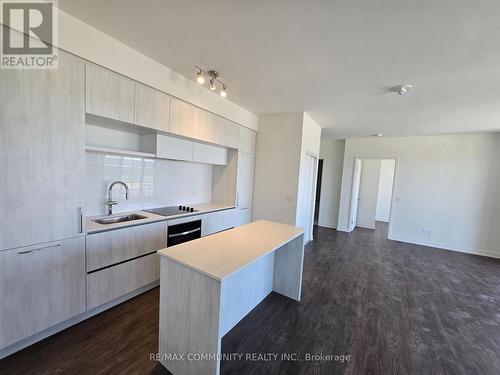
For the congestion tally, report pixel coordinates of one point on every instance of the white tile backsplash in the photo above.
(152, 182)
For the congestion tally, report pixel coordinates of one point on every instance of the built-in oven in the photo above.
(183, 232)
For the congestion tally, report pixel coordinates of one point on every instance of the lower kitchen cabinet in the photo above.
(123, 260)
(217, 221)
(243, 216)
(115, 246)
(40, 286)
(113, 282)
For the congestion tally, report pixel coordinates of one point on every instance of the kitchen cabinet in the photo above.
(247, 140)
(187, 120)
(231, 134)
(109, 94)
(243, 216)
(244, 186)
(42, 144)
(123, 260)
(217, 221)
(182, 149)
(114, 282)
(173, 148)
(111, 247)
(203, 153)
(41, 286)
(152, 108)
(215, 129)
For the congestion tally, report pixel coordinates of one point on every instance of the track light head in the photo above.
(212, 84)
(213, 77)
(199, 78)
(223, 93)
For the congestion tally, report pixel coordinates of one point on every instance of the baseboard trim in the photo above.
(366, 226)
(24, 343)
(342, 229)
(327, 225)
(441, 246)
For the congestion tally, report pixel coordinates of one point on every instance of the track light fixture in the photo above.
(213, 79)
(223, 93)
(199, 77)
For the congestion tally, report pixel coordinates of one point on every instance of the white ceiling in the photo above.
(336, 59)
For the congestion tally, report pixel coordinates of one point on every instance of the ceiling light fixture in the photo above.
(223, 93)
(213, 79)
(402, 89)
(212, 84)
(199, 77)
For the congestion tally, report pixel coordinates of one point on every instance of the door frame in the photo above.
(353, 188)
(395, 196)
(313, 195)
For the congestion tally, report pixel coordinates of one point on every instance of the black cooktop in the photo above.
(171, 210)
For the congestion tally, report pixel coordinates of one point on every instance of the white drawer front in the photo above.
(113, 282)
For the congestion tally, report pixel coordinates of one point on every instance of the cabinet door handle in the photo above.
(40, 248)
(184, 233)
(80, 220)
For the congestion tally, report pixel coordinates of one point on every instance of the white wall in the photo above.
(368, 193)
(311, 135)
(308, 174)
(151, 182)
(282, 141)
(277, 161)
(89, 43)
(448, 184)
(332, 153)
(385, 190)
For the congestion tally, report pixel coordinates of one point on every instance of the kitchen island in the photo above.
(208, 285)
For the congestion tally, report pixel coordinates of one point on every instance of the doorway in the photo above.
(372, 192)
(318, 191)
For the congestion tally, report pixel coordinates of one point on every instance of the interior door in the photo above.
(353, 217)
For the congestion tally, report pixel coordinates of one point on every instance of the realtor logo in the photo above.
(28, 34)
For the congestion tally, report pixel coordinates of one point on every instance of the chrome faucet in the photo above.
(110, 201)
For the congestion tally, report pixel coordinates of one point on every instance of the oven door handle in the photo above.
(184, 233)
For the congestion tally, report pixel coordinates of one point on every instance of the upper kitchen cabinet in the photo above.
(215, 129)
(247, 140)
(109, 95)
(187, 120)
(42, 142)
(152, 108)
(231, 134)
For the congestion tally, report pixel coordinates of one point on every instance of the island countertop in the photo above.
(222, 254)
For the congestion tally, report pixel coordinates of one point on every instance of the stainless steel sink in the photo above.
(119, 219)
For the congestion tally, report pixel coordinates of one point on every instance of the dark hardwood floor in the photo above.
(395, 308)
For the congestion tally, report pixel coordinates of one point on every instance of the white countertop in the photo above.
(221, 254)
(203, 208)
